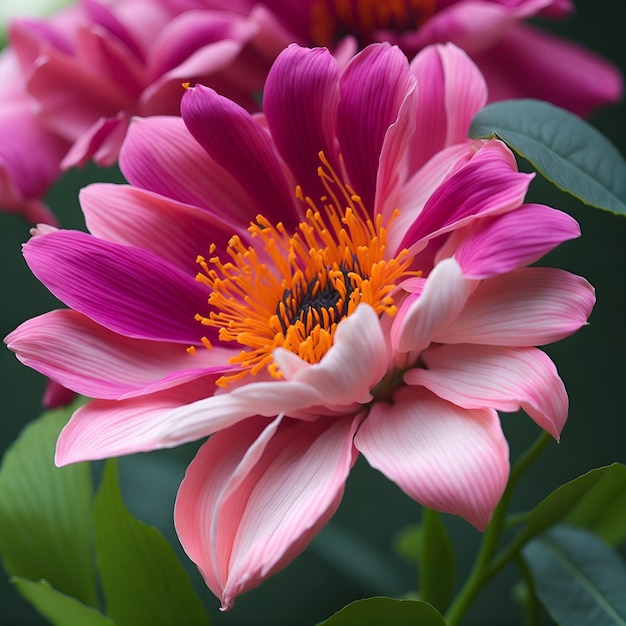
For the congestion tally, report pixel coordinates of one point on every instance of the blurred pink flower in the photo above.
(90, 68)
(386, 308)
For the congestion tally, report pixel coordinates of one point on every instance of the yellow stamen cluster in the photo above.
(291, 291)
(331, 20)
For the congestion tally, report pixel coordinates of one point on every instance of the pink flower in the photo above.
(384, 308)
(91, 67)
(88, 69)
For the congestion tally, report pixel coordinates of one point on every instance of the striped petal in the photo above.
(128, 290)
(505, 379)
(255, 496)
(448, 458)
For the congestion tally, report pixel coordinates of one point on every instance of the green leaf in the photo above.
(377, 611)
(436, 564)
(45, 512)
(143, 581)
(60, 609)
(579, 579)
(561, 502)
(603, 508)
(563, 148)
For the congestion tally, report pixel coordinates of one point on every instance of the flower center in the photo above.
(332, 20)
(291, 291)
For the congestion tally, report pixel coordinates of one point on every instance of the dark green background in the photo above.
(353, 557)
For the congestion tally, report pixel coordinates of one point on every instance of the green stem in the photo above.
(484, 569)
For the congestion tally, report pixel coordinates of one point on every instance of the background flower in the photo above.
(91, 67)
(423, 325)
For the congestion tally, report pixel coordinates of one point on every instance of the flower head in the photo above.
(346, 273)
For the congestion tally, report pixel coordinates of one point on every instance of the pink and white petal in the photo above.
(109, 428)
(160, 155)
(128, 290)
(252, 501)
(423, 314)
(93, 361)
(373, 87)
(513, 240)
(450, 92)
(488, 184)
(502, 378)
(357, 360)
(175, 231)
(300, 102)
(447, 458)
(233, 138)
(531, 306)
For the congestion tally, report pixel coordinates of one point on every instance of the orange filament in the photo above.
(331, 20)
(295, 290)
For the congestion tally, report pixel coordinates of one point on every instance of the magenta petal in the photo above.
(233, 138)
(505, 379)
(300, 102)
(176, 232)
(450, 459)
(531, 306)
(373, 87)
(489, 184)
(255, 496)
(128, 290)
(513, 240)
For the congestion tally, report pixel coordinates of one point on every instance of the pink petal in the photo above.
(489, 184)
(373, 87)
(160, 155)
(450, 459)
(243, 148)
(450, 92)
(505, 379)
(253, 499)
(93, 361)
(356, 362)
(300, 102)
(513, 240)
(421, 316)
(176, 232)
(109, 428)
(128, 290)
(530, 63)
(531, 306)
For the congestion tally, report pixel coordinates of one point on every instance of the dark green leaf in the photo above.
(603, 508)
(60, 609)
(565, 149)
(45, 512)
(562, 501)
(436, 564)
(378, 611)
(579, 579)
(143, 581)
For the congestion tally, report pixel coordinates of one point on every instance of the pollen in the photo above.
(292, 290)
